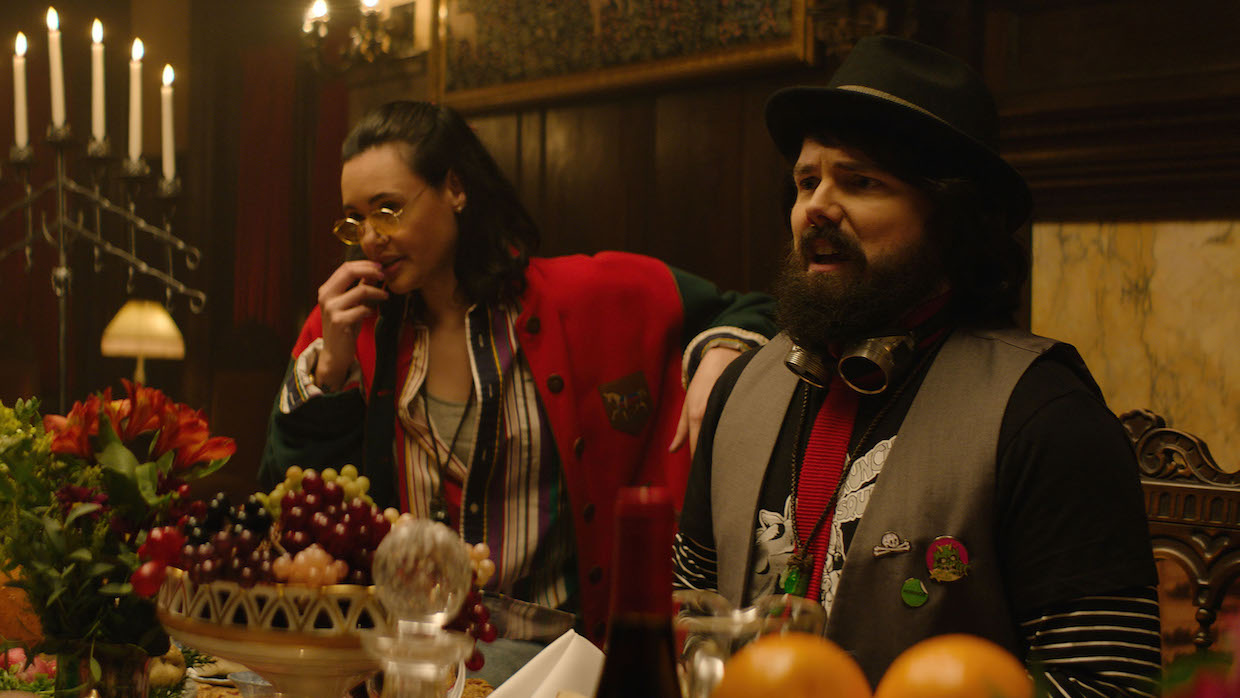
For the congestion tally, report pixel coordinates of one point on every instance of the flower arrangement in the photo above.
(79, 495)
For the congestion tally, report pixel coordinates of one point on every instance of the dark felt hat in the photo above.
(931, 101)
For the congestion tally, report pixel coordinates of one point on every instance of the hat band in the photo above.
(890, 98)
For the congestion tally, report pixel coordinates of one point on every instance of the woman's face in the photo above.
(421, 252)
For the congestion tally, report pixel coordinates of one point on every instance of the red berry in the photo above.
(480, 613)
(333, 493)
(475, 661)
(487, 632)
(311, 482)
(147, 579)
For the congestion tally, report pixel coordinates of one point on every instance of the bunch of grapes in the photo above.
(474, 618)
(229, 543)
(314, 512)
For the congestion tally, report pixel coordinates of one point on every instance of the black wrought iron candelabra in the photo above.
(85, 222)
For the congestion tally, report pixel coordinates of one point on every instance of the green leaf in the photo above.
(80, 555)
(116, 589)
(147, 479)
(96, 672)
(81, 509)
(107, 433)
(205, 470)
(99, 569)
(118, 458)
(55, 533)
(164, 464)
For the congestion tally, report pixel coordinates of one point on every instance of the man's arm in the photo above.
(1105, 645)
(694, 558)
(1075, 543)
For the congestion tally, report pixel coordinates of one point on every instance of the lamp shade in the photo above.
(142, 328)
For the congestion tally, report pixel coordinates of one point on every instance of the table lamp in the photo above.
(142, 328)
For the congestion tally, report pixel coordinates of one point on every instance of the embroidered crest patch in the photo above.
(627, 402)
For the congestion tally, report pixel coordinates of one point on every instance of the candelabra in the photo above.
(376, 39)
(65, 228)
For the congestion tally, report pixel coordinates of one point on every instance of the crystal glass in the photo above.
(714, 630)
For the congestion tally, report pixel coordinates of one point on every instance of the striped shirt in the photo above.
(512, 481)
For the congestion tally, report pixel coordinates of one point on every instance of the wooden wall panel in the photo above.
(597, 182)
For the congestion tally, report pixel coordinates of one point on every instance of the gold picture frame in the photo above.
(494, 55)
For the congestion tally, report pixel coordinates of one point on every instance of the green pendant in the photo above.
(796, 577)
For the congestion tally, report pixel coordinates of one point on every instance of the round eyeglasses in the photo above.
(384, 222)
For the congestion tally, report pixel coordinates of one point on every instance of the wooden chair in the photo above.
(1193, 509)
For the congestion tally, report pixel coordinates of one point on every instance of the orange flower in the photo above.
(144, 408)
(180, 426)
(71, 434)
(213, 448)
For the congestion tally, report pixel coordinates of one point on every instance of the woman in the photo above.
(549, 383)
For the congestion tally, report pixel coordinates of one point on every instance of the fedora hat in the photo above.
(927, 100)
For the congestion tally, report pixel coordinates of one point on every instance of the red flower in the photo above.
(144, 408)
(70, 496)
(213, 448)
(71, 434)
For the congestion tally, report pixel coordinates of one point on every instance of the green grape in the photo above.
(329, 474)
(364, 483)
(349, 471)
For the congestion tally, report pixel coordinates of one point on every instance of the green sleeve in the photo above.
(705, 306)
(325, 431)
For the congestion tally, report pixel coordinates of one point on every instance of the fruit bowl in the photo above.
(303, 640)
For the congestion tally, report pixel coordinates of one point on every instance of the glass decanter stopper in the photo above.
(422, 574)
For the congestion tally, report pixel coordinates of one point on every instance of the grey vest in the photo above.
(938, 480)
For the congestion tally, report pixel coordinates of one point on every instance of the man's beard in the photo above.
(819, 310)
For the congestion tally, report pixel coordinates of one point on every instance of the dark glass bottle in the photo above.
(641, 648)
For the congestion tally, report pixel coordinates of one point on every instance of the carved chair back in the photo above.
(1193, 508)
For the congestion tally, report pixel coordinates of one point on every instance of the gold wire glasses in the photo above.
(384, 222)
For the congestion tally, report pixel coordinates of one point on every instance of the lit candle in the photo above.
(168, 145)
(96, 81)
(315, 16)
(21, 132)
(135, 101)
(370, 6)
(57, 68)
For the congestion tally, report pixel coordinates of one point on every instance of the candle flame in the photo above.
(318, 10)
(53, 19)
(138, 50)
(369, 5)
(19, 46)
(96, 31)
(168, 74)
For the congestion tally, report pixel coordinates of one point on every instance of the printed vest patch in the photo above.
(627, 402)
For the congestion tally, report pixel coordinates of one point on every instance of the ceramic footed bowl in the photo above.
(303, 640)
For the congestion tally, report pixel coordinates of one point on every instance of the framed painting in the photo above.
(501, 53)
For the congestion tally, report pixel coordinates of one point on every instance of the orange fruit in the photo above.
(792, 665)
(960, 666)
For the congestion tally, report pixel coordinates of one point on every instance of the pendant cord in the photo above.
(439, 502)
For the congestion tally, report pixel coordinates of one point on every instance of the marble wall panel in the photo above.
(1154, 308)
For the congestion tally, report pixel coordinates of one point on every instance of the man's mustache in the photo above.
(845, 247)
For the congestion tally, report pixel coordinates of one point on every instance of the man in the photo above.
(924, 467)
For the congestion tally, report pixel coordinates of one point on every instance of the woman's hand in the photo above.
(344, 303)
(709, 367)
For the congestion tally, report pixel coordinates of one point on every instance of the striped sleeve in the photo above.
(299, 385)
(694, 565)
(1097, 646)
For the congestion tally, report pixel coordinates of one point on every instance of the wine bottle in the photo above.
(641, 648)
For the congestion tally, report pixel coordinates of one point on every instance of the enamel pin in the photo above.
(947, 559)
(890, 544)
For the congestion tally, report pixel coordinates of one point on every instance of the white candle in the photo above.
(96, 81)
(168, 145)
(56, 64)
(135, 101)
(21, 131)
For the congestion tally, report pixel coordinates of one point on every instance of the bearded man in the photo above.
(901, 453)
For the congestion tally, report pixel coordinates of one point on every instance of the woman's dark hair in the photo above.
(496, 233)
(986, 266)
